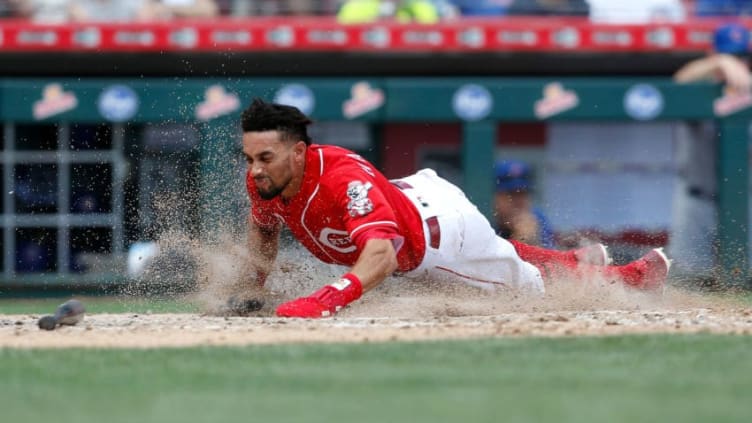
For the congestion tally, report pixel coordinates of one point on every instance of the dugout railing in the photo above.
(40, 147)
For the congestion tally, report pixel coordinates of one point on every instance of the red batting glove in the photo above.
(324, 302)
(306, 308)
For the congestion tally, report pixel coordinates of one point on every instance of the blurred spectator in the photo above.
(301, 7)
(636, 11)
(43, 11)
(515, 217)
(365, 11)
(113, 10)
(727, 61)
(483, 7)
(446, 8)
(723, 7)
(7, 8)
(549, 7)
(59, 11)
(278, 7)
(308, 7)
(187, 8)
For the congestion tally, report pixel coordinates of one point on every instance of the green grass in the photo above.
(687, 378)
(104, 304)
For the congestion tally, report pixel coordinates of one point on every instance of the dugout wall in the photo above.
(71, 137)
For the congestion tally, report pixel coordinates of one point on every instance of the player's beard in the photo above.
(273, 190)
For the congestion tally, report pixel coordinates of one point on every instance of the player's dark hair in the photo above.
(288, 120)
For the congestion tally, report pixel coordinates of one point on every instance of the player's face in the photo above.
(273, 163)
(508, 204)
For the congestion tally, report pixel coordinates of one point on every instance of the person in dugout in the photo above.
(366, 11)
(515, 216)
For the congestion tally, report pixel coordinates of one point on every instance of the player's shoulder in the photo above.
(342, 166)
(332, 151)
(338, 159)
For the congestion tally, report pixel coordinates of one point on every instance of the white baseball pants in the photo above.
(460, 242)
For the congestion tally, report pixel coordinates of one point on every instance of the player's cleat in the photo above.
(652, 269)
(594, 254)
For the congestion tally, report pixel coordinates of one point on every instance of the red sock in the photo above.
(627, 274)
(555, 264)
(540, 257)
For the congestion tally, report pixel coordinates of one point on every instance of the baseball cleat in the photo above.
(653, 268)
(593, 254)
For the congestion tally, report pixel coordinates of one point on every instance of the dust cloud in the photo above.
(209, 275)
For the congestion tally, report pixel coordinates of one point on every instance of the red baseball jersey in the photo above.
(343, 202)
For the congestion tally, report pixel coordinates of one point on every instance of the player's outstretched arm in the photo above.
(263, 246)
(247, 294)
(377, 261)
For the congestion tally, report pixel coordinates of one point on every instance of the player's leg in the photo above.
(649, 272)
(595, 254)
(469, 249)
(589, 263)
(476, 256)
(646, 273)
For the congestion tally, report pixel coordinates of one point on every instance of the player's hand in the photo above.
(305, 307)
(328, 300)
(241, 305)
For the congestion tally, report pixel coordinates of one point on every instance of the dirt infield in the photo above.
(398, 310)
(388, 315)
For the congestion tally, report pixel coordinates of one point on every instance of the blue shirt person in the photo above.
(515, 216)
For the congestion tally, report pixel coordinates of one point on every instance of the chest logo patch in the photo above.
(359, 204)
(337, 240)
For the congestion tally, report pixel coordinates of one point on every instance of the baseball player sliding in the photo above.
(343, 210)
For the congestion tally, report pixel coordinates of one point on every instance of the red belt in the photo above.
(434, 230)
